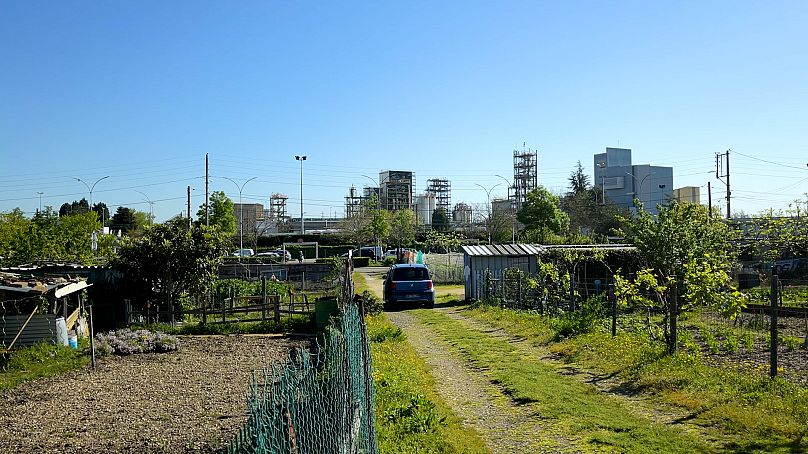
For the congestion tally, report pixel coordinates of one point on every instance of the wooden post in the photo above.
(613, 299)
(92, 336)
(674, 314)
(263, 297)
(277, 308)
(205, 301)
(774, 298)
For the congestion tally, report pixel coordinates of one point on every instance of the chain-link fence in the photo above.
(320, 402)
(445, 268)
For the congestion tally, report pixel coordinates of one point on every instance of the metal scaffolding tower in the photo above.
(277, 211)
(525, 176)
(443, 193)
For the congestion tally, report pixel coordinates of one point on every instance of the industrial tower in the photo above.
(443, 193)
(525, 176)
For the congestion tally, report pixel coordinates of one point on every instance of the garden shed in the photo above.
(32, 308)
(484, 262)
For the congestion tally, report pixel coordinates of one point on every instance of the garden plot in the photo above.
(192, 400)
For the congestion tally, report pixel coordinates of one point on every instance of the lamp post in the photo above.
(301, 158)
(151, 205)
(513, 209)
(40, 200)
(602, 167)
(241, 211)
(90, 190)
(488, 197)
(638, 191)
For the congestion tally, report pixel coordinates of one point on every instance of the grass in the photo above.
(748, 412)
(39, 361)
(573, 410)
(410, 415)
(296, 324)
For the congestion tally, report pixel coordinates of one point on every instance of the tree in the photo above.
(579, 181)
(686, 254)
(402, 228)
(124, 219)
(170, 262)
(77, 207)
(440, 220)
(542, 216)
(588, 217)
(46, 237)
(102, 211)
(221, 213)
(379, 225)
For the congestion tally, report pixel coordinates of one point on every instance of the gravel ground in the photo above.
(193, 400)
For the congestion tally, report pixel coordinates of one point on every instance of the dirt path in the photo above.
(192, 400)
(505, 426)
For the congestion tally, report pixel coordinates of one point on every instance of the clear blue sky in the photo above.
(140, 91)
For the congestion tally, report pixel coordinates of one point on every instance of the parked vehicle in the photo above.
(409, 283)
(284, 254)
(244, 253)
(374, 252)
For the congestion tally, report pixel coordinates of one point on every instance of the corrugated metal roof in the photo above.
(503, 249)
(537, 249)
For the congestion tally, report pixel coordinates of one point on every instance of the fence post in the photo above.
(277, 308)
(263, 297)
(613, 298)
(775, 290)
(674, 341)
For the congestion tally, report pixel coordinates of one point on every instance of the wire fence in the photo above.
(321, 402)
(445, 268)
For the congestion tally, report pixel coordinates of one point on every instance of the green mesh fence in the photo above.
(319, 402)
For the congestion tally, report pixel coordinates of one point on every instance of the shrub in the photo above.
(360, 262)
(127, 342)
(372, 304)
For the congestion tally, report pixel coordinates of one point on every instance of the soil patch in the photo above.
(192, 400)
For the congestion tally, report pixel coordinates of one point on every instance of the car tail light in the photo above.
(429, 285)
(392, 286)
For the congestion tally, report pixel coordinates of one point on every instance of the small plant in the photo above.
(709, 340)
(731, 342)
(386, 333)
(128, 342)
(688, 344)
(748, 340)
(791, 342)
(418, 415)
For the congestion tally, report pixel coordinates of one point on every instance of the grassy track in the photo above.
(747, 413)
(410, 415)
(598, 423)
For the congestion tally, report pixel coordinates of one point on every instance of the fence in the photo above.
(772, 330)
(319, 402)
(445, 268)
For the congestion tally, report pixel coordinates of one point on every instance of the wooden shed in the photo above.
(30, 307)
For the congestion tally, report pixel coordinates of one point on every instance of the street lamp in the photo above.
(90, 190)
(602, 167)
(241, 211)
(638, 191)
(151, 205)
(488, 196)
(513, 209)
(40, 200)
(302, 220)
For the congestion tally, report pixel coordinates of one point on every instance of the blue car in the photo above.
(409, 283)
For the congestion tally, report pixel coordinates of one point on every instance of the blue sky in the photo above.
(140, 91)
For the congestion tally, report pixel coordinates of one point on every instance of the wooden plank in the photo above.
(70, 320)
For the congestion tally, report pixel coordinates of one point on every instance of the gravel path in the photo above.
(192, 400)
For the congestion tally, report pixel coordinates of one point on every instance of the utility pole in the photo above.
(722, 171)
(207, 195)
(710, 198)
(302, 219)
(189, 207)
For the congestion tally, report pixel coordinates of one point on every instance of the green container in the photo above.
(324, 308)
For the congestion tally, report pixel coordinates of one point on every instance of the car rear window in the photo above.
(410, 274)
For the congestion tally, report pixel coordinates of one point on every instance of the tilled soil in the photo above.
(192, 400)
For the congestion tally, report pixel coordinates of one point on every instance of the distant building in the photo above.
(249, 217)
(462, 214)
(397, 189)
(691, 194)
(620, 181)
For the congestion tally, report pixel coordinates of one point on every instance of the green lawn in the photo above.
(41, 360)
